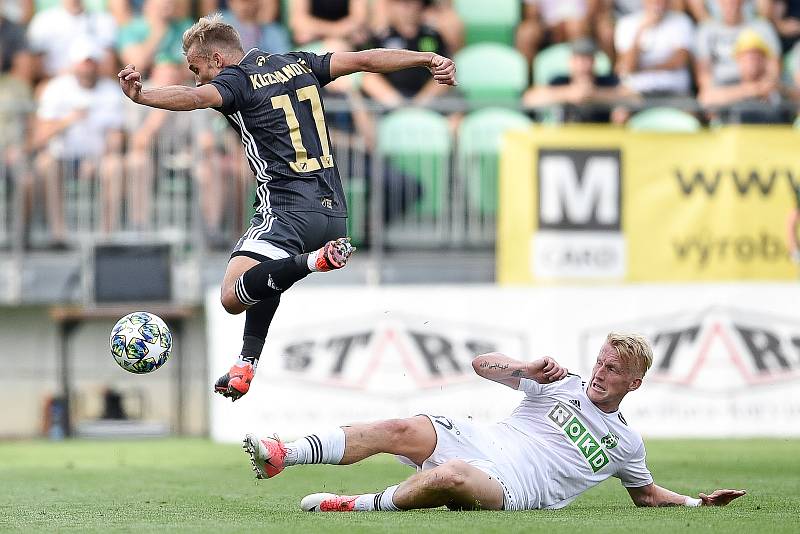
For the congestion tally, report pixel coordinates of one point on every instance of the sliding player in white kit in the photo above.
(565, 437)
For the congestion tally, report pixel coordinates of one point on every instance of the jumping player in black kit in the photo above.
(273, 102)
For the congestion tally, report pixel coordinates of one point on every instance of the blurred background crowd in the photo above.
(79, 160)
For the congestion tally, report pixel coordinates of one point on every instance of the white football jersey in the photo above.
(569, 445)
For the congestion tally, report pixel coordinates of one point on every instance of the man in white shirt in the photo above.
(78, 127)
(52, 32)
(565, 437)
(653, 50)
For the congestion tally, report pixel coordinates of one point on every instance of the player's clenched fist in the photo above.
(546, 370)
(443, 70)
(131, 82)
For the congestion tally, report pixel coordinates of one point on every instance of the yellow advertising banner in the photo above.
(602, 203)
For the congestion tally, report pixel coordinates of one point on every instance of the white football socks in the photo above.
(325, 447)
(311, 261)
(377, 502)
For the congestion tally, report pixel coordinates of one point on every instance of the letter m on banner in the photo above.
(580, 189)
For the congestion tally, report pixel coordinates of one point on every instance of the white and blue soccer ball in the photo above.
(141, 342)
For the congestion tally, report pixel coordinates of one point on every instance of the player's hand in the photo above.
(721, 497)
(546, 370)
(443, 70)
(131, 82)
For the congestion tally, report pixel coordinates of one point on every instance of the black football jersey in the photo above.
(273, 102)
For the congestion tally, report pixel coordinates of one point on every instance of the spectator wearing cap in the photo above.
(715, 61)
(246, 17)
(755, 98)
(653, 50)
(78, 131)
(52, 31)
(155, 37)
(586, 96)
(405, 30)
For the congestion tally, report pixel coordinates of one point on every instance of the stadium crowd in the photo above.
(67, 125)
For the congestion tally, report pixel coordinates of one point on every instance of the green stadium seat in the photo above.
(663, 119)
(478, 152)
(355, 191)
(553, 61)
(496, 23)
(491, 73)
(416, 142)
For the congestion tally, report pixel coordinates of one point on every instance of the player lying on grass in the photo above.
(565, 437)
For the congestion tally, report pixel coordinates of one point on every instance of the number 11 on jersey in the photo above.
(304, 163)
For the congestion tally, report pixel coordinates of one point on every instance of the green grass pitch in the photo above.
(199, 486)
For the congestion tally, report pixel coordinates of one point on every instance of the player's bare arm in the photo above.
(500, 368)
(170, 97)
(654, 495)
(384, 60)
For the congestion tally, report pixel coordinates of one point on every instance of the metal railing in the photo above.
(189, 185)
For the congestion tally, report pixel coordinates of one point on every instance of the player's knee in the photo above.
(401, 430)
(230, 302)
(450, 477)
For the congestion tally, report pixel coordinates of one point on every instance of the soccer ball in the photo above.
(141, 342)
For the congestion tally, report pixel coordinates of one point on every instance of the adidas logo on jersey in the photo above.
(576, 403)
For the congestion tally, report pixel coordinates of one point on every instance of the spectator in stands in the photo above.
(405, 29)
(269, 36)
(16, 102)
(52, 32)
(703, 10)
(716, 63)
(78, 129)
(546, 22)
(785, 16)
(653, 50)
(609, 12)
(169, 148)
(16, 59)
(437, 14)
(586, 96)
(19, 11)
(755, 98)
(155, 37)
(340, 24)
(125, 11)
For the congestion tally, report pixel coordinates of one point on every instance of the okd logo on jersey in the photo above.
(388, 356)
(579, 215)
(579, 435)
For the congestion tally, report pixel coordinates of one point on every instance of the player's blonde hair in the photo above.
(634, 351)
(212, 30)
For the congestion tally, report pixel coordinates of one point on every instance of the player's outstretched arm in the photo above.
(383, 60)
(171, 97)
(653, 495)
(500, 368)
